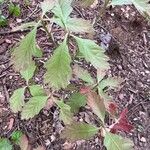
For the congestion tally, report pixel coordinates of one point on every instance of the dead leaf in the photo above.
(24, 143)
(122, 124)
(10, 124)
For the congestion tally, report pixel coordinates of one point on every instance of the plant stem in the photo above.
(48, 33)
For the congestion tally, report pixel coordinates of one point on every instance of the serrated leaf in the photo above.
(79, 25)
(62, 10)
(121, 2)
(28, 73)
(97, 104)
(33, 106)
(79, 131)
(116, 142)
(58, 68)
(92, 53)
(37, 90)
(16, 136)
(110, 82)
(65, 112)
(24, 26)
(83, 74)
(22, 55)
(47, 5)
(5, 144)
(76, 101)
(17, 100)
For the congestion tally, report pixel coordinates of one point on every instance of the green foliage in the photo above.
(22, 55)
(47, 5)
(111, 83)
(58, 68)
(76, 101)
(78, 131)
(16, 136)
(14, 10)
(1, 1)
(65, 112)
(5, 144)
(37, 90)
(28, 73)
(83, 74)
(62, 10)
(3, 20)
(92, 53)
(17, 100)
(116, 142)
(33, 106)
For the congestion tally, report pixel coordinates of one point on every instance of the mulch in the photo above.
(125, 35)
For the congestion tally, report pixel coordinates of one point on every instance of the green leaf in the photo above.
(111, 82)
(58, 68)
(65, 112)
(1, 1)
(79, 25)
(17, 100)
(37, 90)
(121, 2)
(3, 21)
(92, 53)
(28, 73)
(14, 10)
(83, 74)
(22, 55)
(97, 104)
(79, 131)
(104, 95)
(15, 136)
(47, 5)
(62, 10)
(76, 101)
(116, 142)
(33, 106)
(5, 144)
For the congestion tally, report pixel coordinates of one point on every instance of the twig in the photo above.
(11, 31)
(5, 90)
(48, 33)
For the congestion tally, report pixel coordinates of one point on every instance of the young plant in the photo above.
(60, 69)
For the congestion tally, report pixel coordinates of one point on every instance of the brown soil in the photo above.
(125, 35)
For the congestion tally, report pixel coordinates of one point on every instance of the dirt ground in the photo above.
(125, 35)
